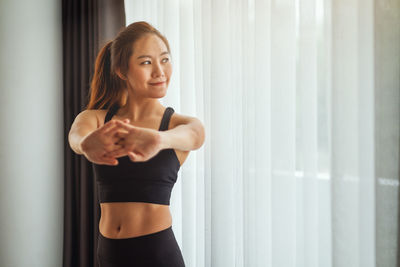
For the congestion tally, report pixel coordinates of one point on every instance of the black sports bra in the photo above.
(147, 181)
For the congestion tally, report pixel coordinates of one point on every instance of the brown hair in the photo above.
(106, 88)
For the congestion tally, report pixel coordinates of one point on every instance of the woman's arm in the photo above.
(141, 144)
(84, 123)
(188, 135)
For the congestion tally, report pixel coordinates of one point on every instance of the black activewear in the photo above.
(159, 249)
(148, 181)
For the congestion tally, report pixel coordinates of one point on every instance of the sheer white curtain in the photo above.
(300, 100)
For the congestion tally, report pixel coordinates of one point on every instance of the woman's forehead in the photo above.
(149, 45)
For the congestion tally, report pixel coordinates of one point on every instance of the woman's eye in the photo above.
(167, 59)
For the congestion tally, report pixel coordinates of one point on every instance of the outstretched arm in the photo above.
(141, 144)
(188, 135)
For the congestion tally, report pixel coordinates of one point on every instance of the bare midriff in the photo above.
(133, 219)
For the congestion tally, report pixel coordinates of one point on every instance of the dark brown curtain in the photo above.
(86, 25)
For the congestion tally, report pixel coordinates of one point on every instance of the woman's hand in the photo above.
(140, 144)
(98, 143)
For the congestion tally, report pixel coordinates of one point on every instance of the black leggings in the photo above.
(157, 249)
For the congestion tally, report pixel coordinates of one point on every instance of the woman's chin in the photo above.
(160, 94)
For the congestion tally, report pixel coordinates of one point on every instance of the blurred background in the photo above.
(301, 104)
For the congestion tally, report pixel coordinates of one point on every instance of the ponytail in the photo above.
(106, 86)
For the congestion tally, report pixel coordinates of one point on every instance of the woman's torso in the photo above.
(132, 219)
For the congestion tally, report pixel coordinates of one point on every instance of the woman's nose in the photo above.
(158, 70)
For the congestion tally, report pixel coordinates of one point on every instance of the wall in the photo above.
(31, 136)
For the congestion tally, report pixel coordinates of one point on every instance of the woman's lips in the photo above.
(161, 83)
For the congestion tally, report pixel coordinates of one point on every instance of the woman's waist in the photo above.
(132, 210)
(129, 219)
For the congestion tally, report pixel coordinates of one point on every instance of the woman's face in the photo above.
(150, 63)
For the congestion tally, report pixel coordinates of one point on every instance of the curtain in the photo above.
(300, 101)
(87, 25)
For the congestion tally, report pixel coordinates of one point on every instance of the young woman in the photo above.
(137, 147)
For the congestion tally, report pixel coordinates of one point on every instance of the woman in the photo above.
(136, 146)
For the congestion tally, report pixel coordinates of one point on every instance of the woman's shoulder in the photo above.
(96, 114)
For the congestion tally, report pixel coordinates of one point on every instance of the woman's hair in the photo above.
(106, 88)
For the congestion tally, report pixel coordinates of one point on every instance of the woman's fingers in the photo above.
(134, 156)
(124, 125)
(115, 130)
(110, 124)
(115, 133)
(112, 129)
(115, 139)
(118, 153)
(110, 148)
(117, 127)
(110, 160)
(131, 156)
(107, 126)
